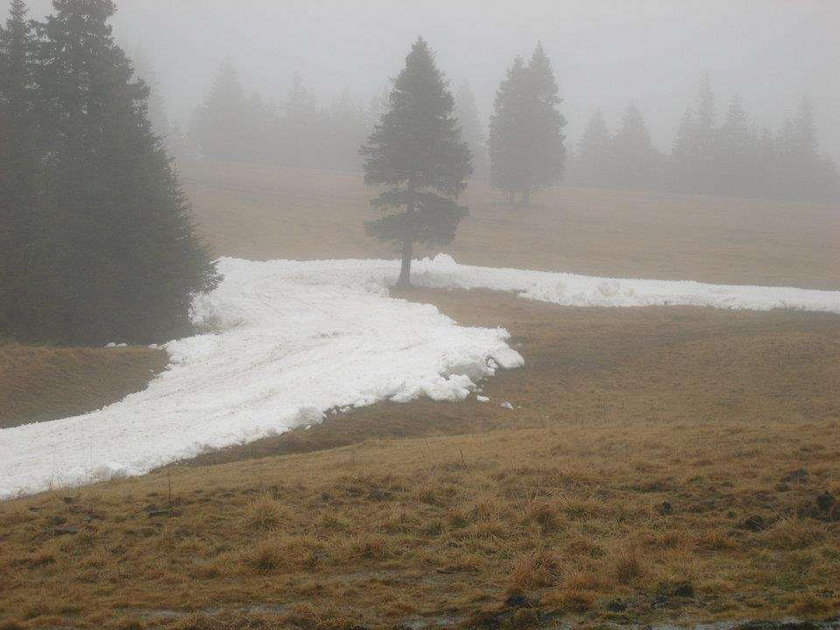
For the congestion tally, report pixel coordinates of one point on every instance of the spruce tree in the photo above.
(737, 152)
(695, 149)
(593, 166)
(634, 154)
(507, 143)
(417, 153)
(126, 260)
(300, 126)
(543, 126)
(219, 126)
(806, 173)
(22, 247)
(526, 129)
(145, 71)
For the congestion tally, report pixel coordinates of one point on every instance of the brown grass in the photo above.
(263, 212)
(617, 412)
(437, 514)
(46, 383)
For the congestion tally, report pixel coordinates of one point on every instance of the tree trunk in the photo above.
(405, 272)
(526, 198)
(408, 243)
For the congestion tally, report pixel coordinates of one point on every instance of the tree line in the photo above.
(709, 155)
(298, 131)
(522, 149)
(97, 243)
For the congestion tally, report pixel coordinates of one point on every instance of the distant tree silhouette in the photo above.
(471, 126)
(220, 125)
(694, 152)
(526, 129)
(594, 162)
(507, 144)
(417, 154)
(804, 169)
(737, 158)
(634, 158)
(737, 152)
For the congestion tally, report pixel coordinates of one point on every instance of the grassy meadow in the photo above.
(659, 464)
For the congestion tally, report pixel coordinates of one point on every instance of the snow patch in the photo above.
(288, 341)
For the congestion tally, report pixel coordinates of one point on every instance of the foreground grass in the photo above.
(658, 464)
(40, 383)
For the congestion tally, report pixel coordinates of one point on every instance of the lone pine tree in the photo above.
(125, 261)
(417, 154)
(526, 130)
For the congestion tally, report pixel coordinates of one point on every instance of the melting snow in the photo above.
(291, 340)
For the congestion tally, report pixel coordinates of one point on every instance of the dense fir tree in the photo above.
(144, 70)
(416, 152)
(593, 165)
(126, 261)
(507, 144)
(471, 127)
(220, 125)
(526, 130)
(544, 126)
(635, 160)
(22, 246)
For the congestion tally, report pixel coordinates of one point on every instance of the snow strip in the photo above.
(291, 340)
(573, 290)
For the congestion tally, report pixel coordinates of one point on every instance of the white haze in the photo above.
(606, 52)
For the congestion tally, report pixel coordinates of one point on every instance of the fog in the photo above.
(606, 53)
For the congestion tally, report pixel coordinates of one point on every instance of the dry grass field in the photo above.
(263, 212)
(45, 383)
(658, 465)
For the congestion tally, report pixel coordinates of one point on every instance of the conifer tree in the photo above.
(417, 153)
(220, 124)
(526, 129)
(737, 153)
(543, 126)
(21, 220)
(144, 70)
(301, 125)
(127, 262)
(507, 143)
(695, 148)
(471, 127)
(635, 158)
(594, 159)
(806, 173)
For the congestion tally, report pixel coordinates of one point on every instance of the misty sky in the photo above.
(606, 52)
